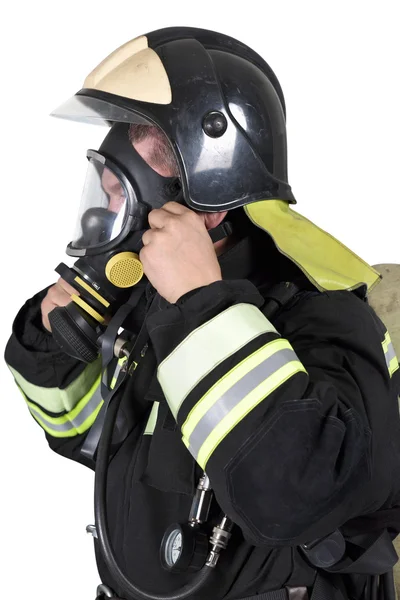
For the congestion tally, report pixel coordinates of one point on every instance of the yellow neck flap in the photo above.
(332, 267)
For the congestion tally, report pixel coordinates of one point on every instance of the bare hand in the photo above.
(178, 254)
(58, 295)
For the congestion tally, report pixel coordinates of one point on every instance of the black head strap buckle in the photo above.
(221, 231)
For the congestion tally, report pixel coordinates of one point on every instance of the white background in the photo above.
(338, 65)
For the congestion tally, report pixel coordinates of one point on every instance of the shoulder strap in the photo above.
(277, 297)
(281, 295)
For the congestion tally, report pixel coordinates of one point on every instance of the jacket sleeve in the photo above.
(61, 393)
(280, 418)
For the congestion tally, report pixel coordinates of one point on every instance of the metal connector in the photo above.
(219, 540)
(92, 530)
(201, 502)
(121, 347)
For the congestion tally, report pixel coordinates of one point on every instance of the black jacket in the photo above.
(317, 446)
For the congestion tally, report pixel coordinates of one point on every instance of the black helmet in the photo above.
(217, 101)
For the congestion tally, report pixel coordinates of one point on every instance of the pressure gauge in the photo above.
(173, 547)
(183, 548)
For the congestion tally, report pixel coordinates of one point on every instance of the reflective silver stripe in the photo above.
(234, 395)
(74, 423)
(117, 371)
(390, 354)
(206, 347)
(54, 399)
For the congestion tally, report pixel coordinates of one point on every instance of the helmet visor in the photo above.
(104, 208)
(96, 111)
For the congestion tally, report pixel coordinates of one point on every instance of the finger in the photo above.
(142, 254)
(58, 296)
(148, 236)
(46, 322)
(175, 208)
(158, 218)
(46, 307)
(67, 287)
(143, 258)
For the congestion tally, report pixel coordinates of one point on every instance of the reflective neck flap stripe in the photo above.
(332, 267)
(206, 347)
(56, 400)
(235, 395)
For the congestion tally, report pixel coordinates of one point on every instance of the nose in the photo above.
(117, 201)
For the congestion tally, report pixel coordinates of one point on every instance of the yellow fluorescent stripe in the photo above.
(54, 399)
(71, 432)
(93, 313)
(386, 342)
(228, 380)
(151, 423)
(87, 287)
(74, 412)
(206, 347)
(117, 371)
(393, 365)
(248, 403)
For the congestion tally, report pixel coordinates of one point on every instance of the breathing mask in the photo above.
(119, 192)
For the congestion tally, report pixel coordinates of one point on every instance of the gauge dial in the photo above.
(173, 547)
(183, 548)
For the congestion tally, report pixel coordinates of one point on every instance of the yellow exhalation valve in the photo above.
(124, 270)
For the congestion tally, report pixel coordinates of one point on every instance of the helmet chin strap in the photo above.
(221, 231)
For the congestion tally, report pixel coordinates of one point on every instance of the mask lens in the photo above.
(104, 207)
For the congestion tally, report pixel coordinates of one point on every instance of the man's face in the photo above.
(147, 148)
(114, 190)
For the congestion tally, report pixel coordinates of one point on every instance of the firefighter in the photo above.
(259, 412)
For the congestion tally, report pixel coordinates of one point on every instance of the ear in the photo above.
(212, 220)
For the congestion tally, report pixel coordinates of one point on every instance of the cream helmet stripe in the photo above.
(132, 71)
